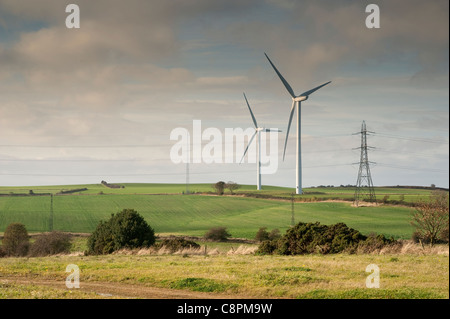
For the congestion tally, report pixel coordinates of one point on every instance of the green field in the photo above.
(410, 194)
(175, 213)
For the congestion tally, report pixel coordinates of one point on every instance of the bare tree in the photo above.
(232, 186)
(219, 187)
(431, 218)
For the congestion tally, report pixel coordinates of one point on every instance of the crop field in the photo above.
(169, 212)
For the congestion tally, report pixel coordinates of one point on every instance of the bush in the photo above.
(274, 234)
(444, 234)
(217, 234)
(126, 229)
(176, 244)
(374, 243)
(2, 252)
(431, 219)
(51, 244)
(307, 238)
(219, 187)
(16, 241)
(232, 186)
(262, 234)
(267, 247)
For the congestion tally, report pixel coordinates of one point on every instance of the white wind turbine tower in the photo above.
(296, 101)
(258, 130)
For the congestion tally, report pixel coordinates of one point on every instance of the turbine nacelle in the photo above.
(268, 130)
(300, 98)
(257, 128)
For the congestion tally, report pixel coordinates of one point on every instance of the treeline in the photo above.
(104, 183)
(71, 191)
(32, 193)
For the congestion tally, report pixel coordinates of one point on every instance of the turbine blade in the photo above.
(286, 84)
(314, 90)
(289, 127)
(251, 113)
(250, 142)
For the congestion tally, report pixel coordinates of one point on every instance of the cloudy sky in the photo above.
(100, 102)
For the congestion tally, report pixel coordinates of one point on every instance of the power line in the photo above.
(430, 155)
(436, 170)
(415, 139)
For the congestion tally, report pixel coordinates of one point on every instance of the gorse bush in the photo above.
(16, 241)
(126, 229)
(51, 244)
(308, 238)
(375, 242)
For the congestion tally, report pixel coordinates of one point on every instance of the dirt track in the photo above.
(120, 290)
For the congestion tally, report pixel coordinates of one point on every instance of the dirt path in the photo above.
(120, 290)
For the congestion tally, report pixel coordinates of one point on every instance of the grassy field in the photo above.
(168, 211)
(411, 194)
(194, 215)
(235, 276)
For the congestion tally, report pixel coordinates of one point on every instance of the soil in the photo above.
(121, 290)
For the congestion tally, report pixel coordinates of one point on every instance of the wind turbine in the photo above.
(296, 101)
(258, 130)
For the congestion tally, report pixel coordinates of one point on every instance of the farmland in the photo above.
(221, 271)
(168, 211)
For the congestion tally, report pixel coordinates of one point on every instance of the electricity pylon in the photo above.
(364, 186)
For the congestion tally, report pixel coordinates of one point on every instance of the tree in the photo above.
(126, 229)
(219, 187)
(431, 218)
(16, 241)
(232, 186)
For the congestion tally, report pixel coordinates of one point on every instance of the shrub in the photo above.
(267, 247)
(262, 234)
(274, 234)
(16, 241)
(217, 234)
(51, 244)
(444, 234)
(307, 238)
(374, 243)
(219, 187)
(176, 244)
(126, 229)
(2, 252)
(431, 219)
(232, 186)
